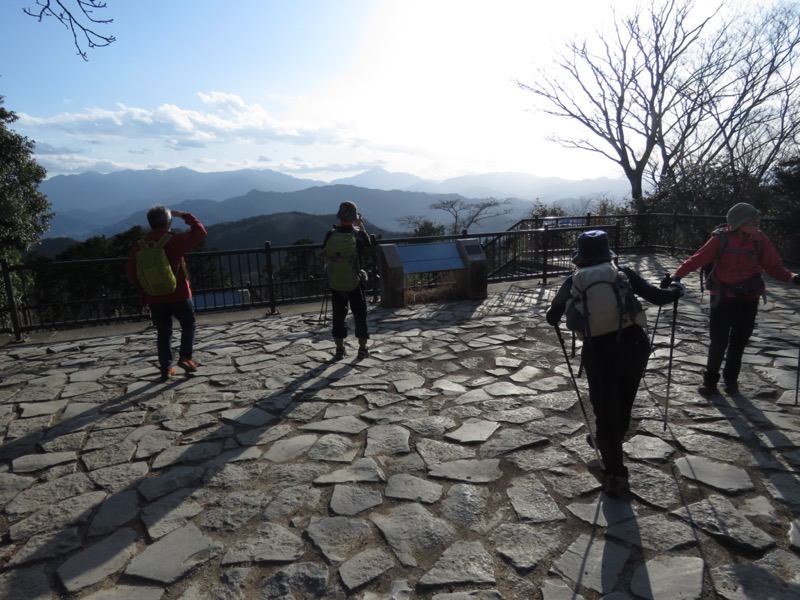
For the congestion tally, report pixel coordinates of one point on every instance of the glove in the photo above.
(666, 281)
(678, 288)
(796, 279)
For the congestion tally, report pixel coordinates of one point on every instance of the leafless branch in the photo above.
(80, 20)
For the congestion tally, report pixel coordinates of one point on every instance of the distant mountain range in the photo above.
(92, 204)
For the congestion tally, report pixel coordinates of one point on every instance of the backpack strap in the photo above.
(722, 234)
(723, 241)
(144, 244)
(620, 307)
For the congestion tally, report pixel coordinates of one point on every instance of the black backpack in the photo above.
(707, 278)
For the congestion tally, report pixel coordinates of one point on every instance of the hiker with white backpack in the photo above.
(737, 254)
(601, 306)
(157, 266)
(344, 251)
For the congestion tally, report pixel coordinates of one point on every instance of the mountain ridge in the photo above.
(91, 203)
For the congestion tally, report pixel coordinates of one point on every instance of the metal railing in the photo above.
(47, 295)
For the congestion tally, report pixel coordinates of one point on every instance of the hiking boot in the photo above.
(708, 389)
(187, 364)
(167, 373)
(709, 385)
(731, 386)
(339, 355)
(616, 485)
(363, 352)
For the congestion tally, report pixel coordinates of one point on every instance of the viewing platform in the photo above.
(451, 464)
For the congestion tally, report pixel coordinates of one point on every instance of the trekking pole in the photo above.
(580, 401)
(669, 367)
(323, 309)
(797, 376)
(580, 364)
(655, 328)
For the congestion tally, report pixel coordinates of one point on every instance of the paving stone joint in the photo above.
(450, 464)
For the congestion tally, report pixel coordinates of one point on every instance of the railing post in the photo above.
(12, 303)
(672, 232)
(270, 278)
(545, 244)
(617, 237)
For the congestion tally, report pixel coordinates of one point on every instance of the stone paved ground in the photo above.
(452, 464)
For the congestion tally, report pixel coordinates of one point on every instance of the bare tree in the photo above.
(748, 80)
(618, 88)
(421, 226)
(666, 90)
(466, 214)
(79, 17)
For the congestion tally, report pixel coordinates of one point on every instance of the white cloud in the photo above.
(431, 91)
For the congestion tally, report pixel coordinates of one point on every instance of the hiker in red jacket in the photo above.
(740, 253)
(178, 303)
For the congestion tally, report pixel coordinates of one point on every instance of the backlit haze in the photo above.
(311, 88)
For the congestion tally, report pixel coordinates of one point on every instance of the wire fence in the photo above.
(47, 295)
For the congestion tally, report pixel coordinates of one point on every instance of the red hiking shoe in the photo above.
(187, 364)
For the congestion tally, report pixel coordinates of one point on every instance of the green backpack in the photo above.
(153, 270)
(341, 268)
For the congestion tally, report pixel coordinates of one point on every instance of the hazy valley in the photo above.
(245, 208)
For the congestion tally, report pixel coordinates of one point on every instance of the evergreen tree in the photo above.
(24, 211)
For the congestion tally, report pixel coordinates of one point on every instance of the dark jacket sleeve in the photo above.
(363, 238)
(559, 303)
(654, 295)
(363, 246)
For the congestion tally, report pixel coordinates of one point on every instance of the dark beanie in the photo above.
(348, 211)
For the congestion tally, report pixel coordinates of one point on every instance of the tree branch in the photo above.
(80, 21)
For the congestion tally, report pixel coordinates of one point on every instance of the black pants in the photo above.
(357, 301)
(162, 314)
(731, 324)
(614, 369)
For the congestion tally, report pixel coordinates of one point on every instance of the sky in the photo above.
(316, 89)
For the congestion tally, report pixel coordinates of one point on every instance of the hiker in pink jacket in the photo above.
(739, 253)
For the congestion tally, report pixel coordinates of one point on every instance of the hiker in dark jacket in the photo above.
(614, 361)
(350, 222)
(179, 303)
(735, 286)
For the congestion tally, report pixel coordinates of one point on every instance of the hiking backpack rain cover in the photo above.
(153, 270)
(342, 269)
(602, 301)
